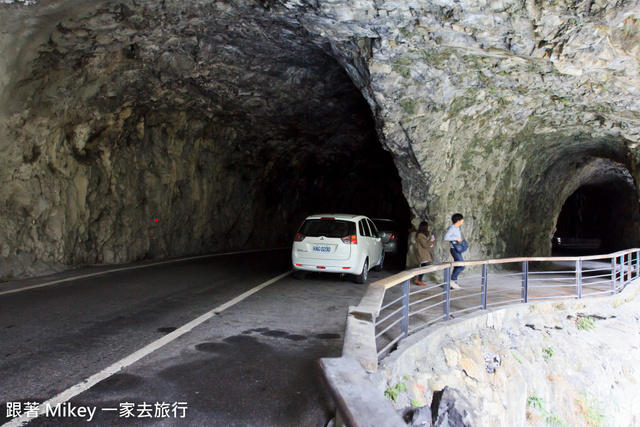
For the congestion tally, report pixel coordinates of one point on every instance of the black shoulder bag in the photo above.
(461, 246)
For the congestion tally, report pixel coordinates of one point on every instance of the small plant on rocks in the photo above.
(392, 392)
(550, 418)
(515, 356)
(592, 409)
(585, 323)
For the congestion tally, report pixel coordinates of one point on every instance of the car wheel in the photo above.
(362, 277)
(380, 265)
(297, 274)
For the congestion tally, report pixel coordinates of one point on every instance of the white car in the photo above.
(332, 243)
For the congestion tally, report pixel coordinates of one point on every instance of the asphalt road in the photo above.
(253, 364)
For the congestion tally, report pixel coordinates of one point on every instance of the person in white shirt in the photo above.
(455, 235)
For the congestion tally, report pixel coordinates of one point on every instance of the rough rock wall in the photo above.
(502, 104)
(116, 112)
(195, 116)
(571, 364)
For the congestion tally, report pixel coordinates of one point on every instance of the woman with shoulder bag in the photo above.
(423, 249)
(458, 245)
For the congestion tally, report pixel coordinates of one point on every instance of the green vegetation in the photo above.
(403, 70)
(466, 162)
(460, 104)
(550, 418)
(564, 100)
(547, 353)
(392, 392)
(585, 323)
(417, 403)
(402, 66)
(592, 409)
(437, 57)
(515, 356)
(405, 31)
(409, 105)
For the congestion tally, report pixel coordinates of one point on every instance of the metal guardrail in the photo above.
(393, 308)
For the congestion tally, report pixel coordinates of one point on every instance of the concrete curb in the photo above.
(358, 401)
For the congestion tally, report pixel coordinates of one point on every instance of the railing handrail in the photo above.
(372, 300)
(358, 401)
(396, 279)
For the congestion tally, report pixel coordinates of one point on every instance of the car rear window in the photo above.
(328, 228)
(385, 224)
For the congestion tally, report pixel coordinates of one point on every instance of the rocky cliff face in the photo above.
(568, 363)
(229, 120)
(507, 107)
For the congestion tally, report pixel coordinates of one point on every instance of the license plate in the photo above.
(322, 248)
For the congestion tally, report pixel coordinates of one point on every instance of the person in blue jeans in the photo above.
(455, 235)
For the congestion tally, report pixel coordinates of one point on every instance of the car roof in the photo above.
(349, 217)
(382, 219)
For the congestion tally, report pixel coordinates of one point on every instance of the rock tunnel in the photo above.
(147, 133)
(601, 216)
(138, 129)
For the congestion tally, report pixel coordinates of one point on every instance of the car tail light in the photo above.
(321, 268)
(393, 236)
(299, 237)
(350, 240)
(346, 268)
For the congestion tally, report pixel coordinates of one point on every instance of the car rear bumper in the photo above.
(391, 248)
(327, 266)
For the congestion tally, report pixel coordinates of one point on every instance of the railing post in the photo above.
(525, 281)
(485, 284)
(620, 277)
(579, 278)
(614, 261)
(625, 271)
(447, 293)
(405, 308)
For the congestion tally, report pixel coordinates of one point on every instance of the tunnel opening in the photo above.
(341, 170)
(599, 218)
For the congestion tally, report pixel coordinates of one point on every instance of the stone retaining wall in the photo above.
(569, 363)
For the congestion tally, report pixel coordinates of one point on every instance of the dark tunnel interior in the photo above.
(598, 218)
(230, 135)
(359, 177)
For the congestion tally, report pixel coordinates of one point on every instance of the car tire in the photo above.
(380, 265)
(299, 275)
(362, 277)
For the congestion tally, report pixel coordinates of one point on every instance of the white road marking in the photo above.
(134, 267)
(145, 351)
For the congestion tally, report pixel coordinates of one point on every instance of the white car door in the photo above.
(363, 227)
(376, 242)
(369, 243)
